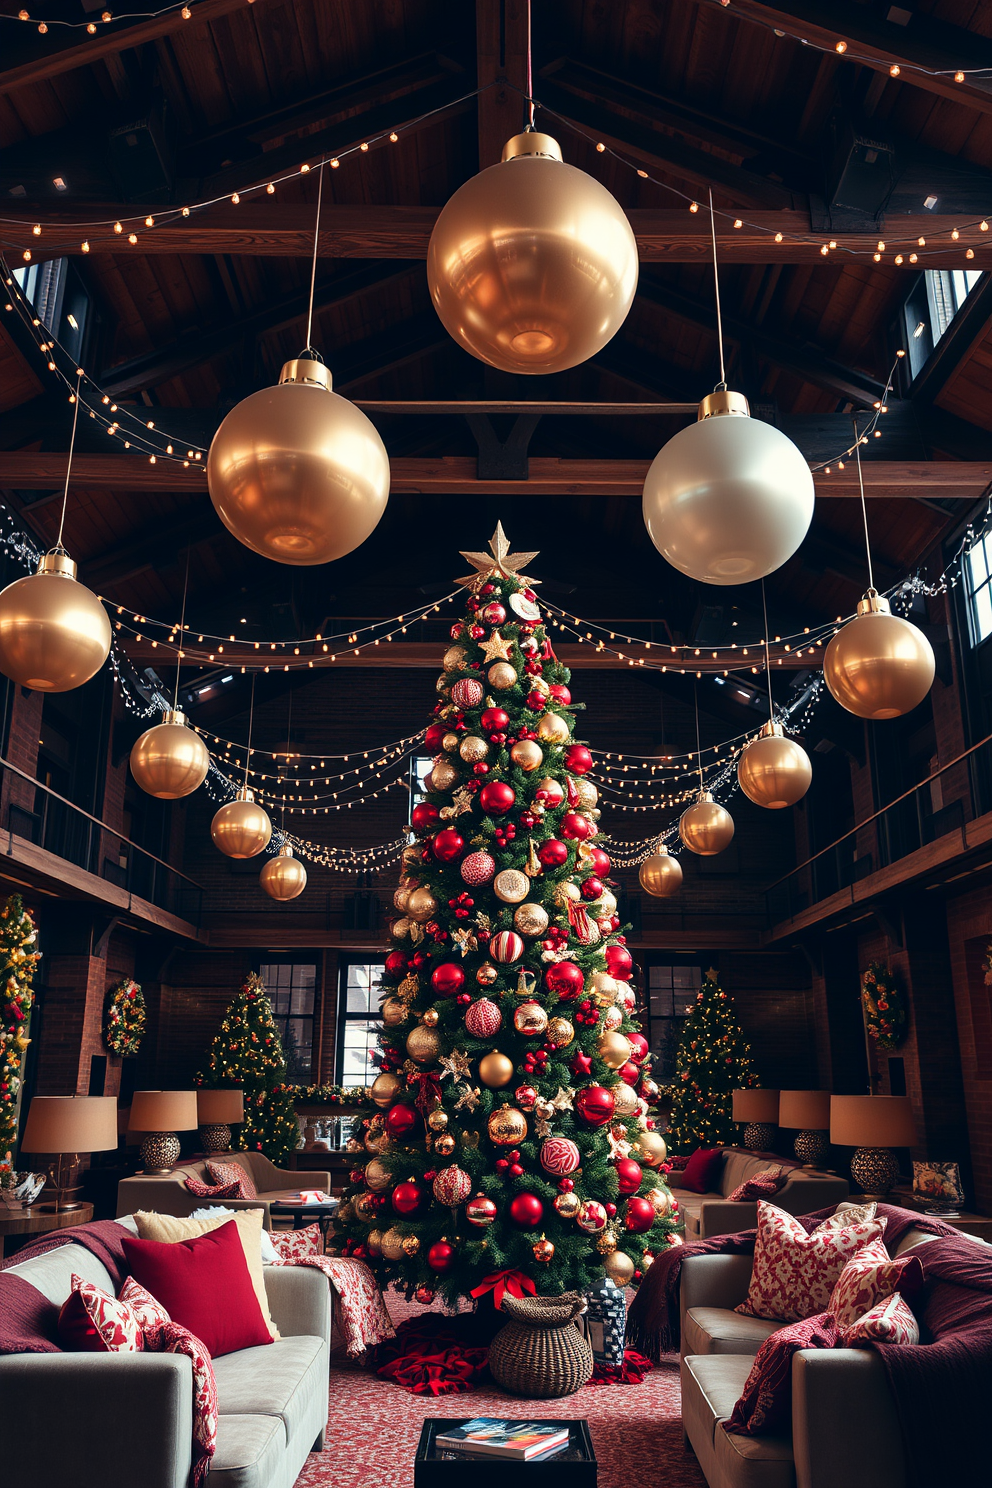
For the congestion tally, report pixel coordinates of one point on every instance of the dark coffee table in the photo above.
(574, 1466)
(306, 1214)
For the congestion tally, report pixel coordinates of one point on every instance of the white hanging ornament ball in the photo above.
(774, 771)
(878, 665)
(532, 264)
(170, 760)
(54, 634)
(283, 877)
(706, 827)
(296, 472)
(661, 874)
(728, 499)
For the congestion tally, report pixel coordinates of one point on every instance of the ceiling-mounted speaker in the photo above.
(141, 154)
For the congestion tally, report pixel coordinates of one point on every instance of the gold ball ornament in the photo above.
(423, 1045)
(449, 743)
(392, 1244)
(774, 771)
(604, 988)
(651, 1149)
(438, 1120)
(495, 1070)
(170, 760)
(613, 1049)
(54, 634)
(530, 1019)
(443, 775)
(502, 675)
(454, 658)
(410, 855)
(619, 1268)
(296, 472)
(511, 886)
(241, 828)
(377, 1175)
(568, 1205)
(283, 877)
(532, 264)
(486, 974)
(394, 1012)
(530, 920)
(879, 665)
(373, 1242)
(385, 1088)
(544, 1251)
(421, 905)
(473, 749)
(400, 929)
(429, 1018)
(612, 1017)
(625, 1099)
(527, 754)
(660, 875)
(586, 793)
(365, 1209)
(565, 891)
(706, 827)
(607, 1243)
(444, 1145)
(401, 896)
(560, 1033)
(606, 903)
(661, 1200)
(506, 1126)
(411, 1245)
(442, 684)
(552, 728)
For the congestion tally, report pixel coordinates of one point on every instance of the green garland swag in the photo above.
(18, 960)
(884, 1006)
(126, 1018)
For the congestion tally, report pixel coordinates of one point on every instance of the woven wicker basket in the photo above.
(540, 1352)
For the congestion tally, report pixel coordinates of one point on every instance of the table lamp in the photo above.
(216, 1112)
(808, 1112)
(161, 1113)
(759, 1108)
(874, 1124)
(65, 1126)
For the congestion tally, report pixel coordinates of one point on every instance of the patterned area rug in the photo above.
(375, 1426)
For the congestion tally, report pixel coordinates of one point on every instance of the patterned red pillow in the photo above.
(869, 1277)
(235, 1190)
(765, 1405)
(761, 1186)
(92, 1321)
(225, 1173)
(150, 1314)
(889, 1321)
(676, 1164)
(293, 1245)
(793, 1273)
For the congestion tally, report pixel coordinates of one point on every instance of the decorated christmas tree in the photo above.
(246, 1054)
(513, 1134)
(714, 1059)
(18, 960)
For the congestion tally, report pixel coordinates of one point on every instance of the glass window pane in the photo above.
(977, 571)
(983, 613)
(358, 976)
(301, 1000)
(358, 1000)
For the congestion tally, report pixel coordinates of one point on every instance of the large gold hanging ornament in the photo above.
(385, 1088)
(473, 749)
(502, 675)
(552, 728)
(421, 905)
(423, 1045)
(878, 665)
(530, 919)
(729, 498)
(614, 1050)
(283, 877)
(619, 1268)
(506, 1126)
(527, 754)
(532, 264)
(661, 874)
(241, 828)
(444, 775)
(392, 1244)
(650, 1149)
(495, 1070)
(377, 1175)
(54, 634)
(706, 827)
(774, 771)
(296, 472)
(511, 886)
(394, 1012)
(170, 760)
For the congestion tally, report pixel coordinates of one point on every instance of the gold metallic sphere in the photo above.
(296, 472)
(586, 792)
(613, 1049)
(650, 1149)
(560, 1033)
(878, 665)
(444, 1145)
(423, 1045)
(660, 875)
(495, 1070)
(444, 775)
(385, 1089)
(502, 675)
(625, 1099)
(241, 828)
(530, 920)
(373, 1242)
(394, 1012)
(774, 771)
(553, 728)
(511, 886)
(54, 634)
(392, 1244)
(619, 1267)
(506, 1126)
(170, 760)
(283, 877)
(530, 1019)
(472, 749)
(527, 754)
(454, 658)
(411, 1245)
(449, 743)
(532, 264)
(438, 1120)
(706, 827)
(377, 1175)
(401, 896)
(421, 905)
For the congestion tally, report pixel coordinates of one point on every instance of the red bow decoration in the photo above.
(501, 1282)
(579, 921)
(429, 1090)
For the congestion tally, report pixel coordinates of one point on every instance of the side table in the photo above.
(573, 1466)
(304, 1214)
(39, 1221)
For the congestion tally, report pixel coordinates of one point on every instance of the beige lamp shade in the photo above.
(804, 1110)
(872, 1121)
(71, 1123)
(163, 1111)
(219, 1107)
(756, 1105)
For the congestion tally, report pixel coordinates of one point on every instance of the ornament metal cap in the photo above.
(174, 715)
(771, 729)
(309, 370)
(285, 851)
(873, 603)
(57, 562)
(531, 142)
(245, 793)
(723, 401)
(703, 795)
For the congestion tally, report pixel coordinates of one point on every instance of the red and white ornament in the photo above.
(480, 1211)
(591, 1217)
(478, 869)
(506, 947)
(549, 792)
(452, 1186)
(559, 1156)
(467, 693)
(483, 1018)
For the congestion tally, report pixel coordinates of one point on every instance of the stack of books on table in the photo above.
(489, 1436)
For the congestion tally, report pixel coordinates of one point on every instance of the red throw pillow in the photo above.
(201, 1190)
(702, 1171)
(889, 1321)
(232, 1172)
(292, 1245)
(765, 1406)
(92, 1321)
(762, 1186)
(793, 1274)
(869, 1277)
(204, 1285)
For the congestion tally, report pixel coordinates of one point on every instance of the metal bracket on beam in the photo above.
(503, 459)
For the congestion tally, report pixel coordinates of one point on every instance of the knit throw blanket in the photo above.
(103, 1238)
(361, 1311)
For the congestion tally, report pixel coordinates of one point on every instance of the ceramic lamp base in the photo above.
(811, 1147)
(160, 1152)
(874, 1170)
(759, 1136)
(215, 1138)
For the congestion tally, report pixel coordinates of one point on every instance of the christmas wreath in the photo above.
(18, 959)
(126, 1018)
(884, 1007)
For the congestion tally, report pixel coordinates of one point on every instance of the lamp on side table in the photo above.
(874, 1124)
(759, 1108)
(65, 1126)
(160, 1114)
(808, 1113)
(217, 1111)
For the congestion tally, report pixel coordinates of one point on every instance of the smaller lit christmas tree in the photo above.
(713, 1060)
(247, 1054)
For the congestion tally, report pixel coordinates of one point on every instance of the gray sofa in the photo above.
(166, 1193)
(78, 1420)
(714, 1214)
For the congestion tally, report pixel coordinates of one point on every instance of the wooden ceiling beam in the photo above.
(501, 33)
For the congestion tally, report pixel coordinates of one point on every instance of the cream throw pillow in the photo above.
(170, 1229)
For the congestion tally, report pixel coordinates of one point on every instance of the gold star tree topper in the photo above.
(499, 562)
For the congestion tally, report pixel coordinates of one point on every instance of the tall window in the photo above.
(978, 567)
(292, 988)
(935, 300)
(358, 1017)
(672, 990)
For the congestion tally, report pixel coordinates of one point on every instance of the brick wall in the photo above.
(969, 921)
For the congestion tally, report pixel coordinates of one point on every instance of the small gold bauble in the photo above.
(527, 754)
(394, 1012)
(506, 1126)
(552, 728)
(401, 896)
(486, 974)
(170, 760)
(607, 1243)
(450, 742)
(392, 1244)
(568, 1205)
(625, 1099)
(650, 1149)
(619, 1268)
(283, 877)
(495, 1070)
(879, 665)
(502, 675)
(410, 855)
(774, 771)
(373, 1242)
(530, 1019)
(423, 1045)
(613, 1049)
(511, 886)
(606, 903)
(54, 634)
(612, 1018)
(443, 684)
(443, 775)
(661, 1199)
(429, 1018)
(437, 1120)
(560, 1033)
(421, 905)
(603, 988)
(411, 1245)
(706, 827)
(377, 1175)
(530, 920)
(345, 1212)
(241, 828)
(543, 1251)
(661, 874)
(586, 793)
(472, 749)
(454, 658)
(444, 1145)
(385, 1089)
(364, 1207)
(401, 928)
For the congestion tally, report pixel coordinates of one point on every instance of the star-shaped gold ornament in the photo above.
(461, 802)
(499, 562)
(497, 648)
(465, 938)
(469, 1098)
(456, 1064)
(562, 1100)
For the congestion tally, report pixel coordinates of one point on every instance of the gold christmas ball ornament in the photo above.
(552, 728)
(661, 1200)
(774, 771)
(729, 498)
(401, 896)
(530, 1019)
(530, 920)
(241, 828)
(296, 472)
(619, 1268)
(373, 1242)
(377, 1175)
(706, 827)
(385, 1088)
(506, 1126)
(502, 675)
(394, 1012)
(650, 1149)
(54, 634)
(527, 754)
(661, 874)
(586, 793)
(879, 665)
(473, 749)
(401, 928)
(612, 1017)
(486, 974)
(411, 1245)
(560, 1033)
(613, 1049)
(544, 1251)
(429, 1018)
(606, 903)
(443, 775)
(442, 684)
(365, 1209)
(423, 1045)
(421, 905)
(603, 988)
(170, 760)
(454, 658)
(566, 891)
(283, 877)
(532, 264)
(625, 1099)
(392, 1244)
(438, 1120)
(607, 1243)
(410, 855)
(511, 886)
(568, 1205)
(444, 1145)
(495, 1070)
(450, 744)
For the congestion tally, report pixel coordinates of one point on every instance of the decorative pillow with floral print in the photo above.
(761, 1186)
(869, 1277)
(225, 1173)
(150, 1314)
(92, 1321)
(793, 1273)
(235, 1190)
(889, 1321)
(294, 1245)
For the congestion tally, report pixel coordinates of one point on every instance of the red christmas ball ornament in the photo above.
(434, 737)
(591, 1217)
(480, 1211)
(397, 963)
(640, 1215)
(424, 1294)
(591, 888)
(478, 869)
(467, 693)
(619, 962)
(402, 1120)
(448, 845)
(495, 720)
(639, 1047)
(483, 1018)
(494, 613)
(441, 1256)
(496, 797)
(527, 1211)
(600, 861)
(594, 1105)
(452, 1186)
(564, 979)
(525, 1097)
(549, 792)
(424, 816)
(560, 693)
(629, 1175)
(577, 758)
(420, 960)
(506, 947)
(575, 827)
(559, 1156)
(408, 1196)
(629, 1073)
(448, 979)
(552, 854)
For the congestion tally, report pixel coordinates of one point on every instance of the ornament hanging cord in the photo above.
(864, 507)
(182, 626)
(722, 384)
(530, 71)
(699, 752)
(316, 244)
(68, 463)
(251, 719)
(768, 661)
